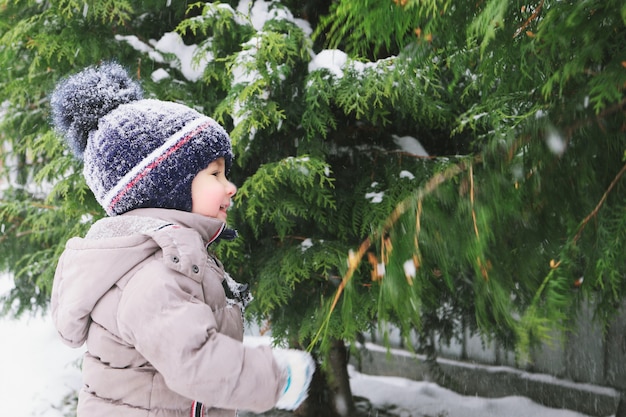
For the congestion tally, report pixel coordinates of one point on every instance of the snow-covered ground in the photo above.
(37, 371)
(406, 398)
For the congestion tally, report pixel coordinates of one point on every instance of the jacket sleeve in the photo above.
(177, 333)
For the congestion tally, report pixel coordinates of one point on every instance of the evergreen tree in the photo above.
(538, 201)
(531, 220)
(343, 225)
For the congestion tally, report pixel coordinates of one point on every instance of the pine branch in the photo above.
(598, 118)
(7, 233)
(354, 259)
(529, 317)
(532, 17)
(428, 189)
(597, 208)
(471, 175)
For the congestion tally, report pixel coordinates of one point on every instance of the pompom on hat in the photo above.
(136, 152)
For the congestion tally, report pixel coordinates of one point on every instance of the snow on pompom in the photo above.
(81, 100)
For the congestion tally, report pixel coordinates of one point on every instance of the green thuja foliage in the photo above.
(527, 231)
(343, 223)
(297, 189)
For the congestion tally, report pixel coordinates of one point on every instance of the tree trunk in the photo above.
(434, 371)
(621, 407)
(330, 395)
(340, 381)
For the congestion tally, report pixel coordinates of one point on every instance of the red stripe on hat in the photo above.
(156, 163)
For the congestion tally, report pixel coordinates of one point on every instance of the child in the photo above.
(162, 320)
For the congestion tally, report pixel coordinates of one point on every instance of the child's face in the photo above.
(211, 191)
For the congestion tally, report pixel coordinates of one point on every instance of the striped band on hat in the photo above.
(153, 160)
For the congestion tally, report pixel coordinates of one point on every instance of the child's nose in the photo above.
(231, 189)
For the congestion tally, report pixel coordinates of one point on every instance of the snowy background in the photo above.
(37, 372)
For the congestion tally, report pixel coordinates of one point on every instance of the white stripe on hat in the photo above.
(127, 181)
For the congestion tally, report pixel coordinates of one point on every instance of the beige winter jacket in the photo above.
(141, 290)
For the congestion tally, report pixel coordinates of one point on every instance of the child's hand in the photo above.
(298, 367)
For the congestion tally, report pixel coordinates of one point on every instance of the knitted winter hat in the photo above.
(136, 152)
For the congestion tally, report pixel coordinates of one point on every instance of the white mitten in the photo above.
(298, 367)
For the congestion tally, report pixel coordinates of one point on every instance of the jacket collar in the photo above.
(208, 227)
